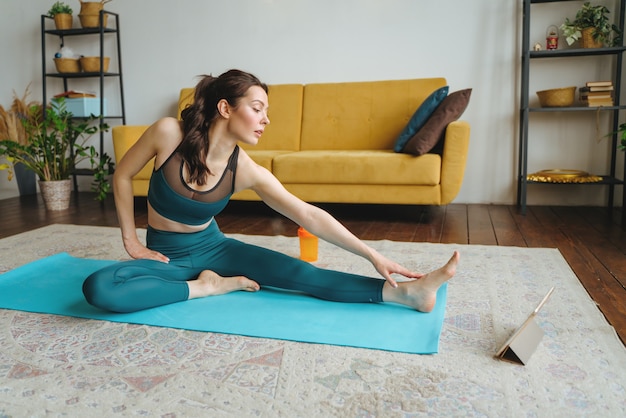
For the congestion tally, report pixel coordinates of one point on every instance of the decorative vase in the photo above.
(26, 179)
(56, 194)
(63, 21)
(587, 41)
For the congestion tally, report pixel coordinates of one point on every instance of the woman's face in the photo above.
(249, 118)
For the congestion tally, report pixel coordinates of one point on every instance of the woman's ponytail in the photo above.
(198, 117)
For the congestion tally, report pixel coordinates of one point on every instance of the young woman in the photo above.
(198, 166)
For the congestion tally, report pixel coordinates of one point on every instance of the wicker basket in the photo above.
(63, 21)
(587, 41)
(561, 97)
(92, 64)
(67, 65)
(90, 13)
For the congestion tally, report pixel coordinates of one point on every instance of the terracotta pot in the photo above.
(56, 194)
(63, 21)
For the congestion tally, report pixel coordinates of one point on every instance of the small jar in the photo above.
(552, 37)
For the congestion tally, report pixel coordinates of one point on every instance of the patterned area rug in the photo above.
(60, 366)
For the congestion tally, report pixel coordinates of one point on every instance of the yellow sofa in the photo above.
(333, 143)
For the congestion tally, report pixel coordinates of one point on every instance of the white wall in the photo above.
(472, 43)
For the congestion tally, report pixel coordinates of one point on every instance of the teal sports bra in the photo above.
(174, 199)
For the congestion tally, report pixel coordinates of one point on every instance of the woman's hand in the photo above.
(139, 251)
(386, 268)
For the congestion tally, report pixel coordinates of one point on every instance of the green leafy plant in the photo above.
(57, 144)
(58, 8)
(621, 132)
(595, 17)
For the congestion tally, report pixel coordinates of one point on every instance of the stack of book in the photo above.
(597, 93)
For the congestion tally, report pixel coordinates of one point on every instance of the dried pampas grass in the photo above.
(12, 121)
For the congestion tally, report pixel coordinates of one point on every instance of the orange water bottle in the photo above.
(308, 245)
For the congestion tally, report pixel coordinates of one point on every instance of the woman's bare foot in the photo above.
(421, 293)
(210, 283)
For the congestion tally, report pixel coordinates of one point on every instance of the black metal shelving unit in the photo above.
(101, 75)
(610, 180)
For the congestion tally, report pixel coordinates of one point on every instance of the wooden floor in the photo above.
(591, 239)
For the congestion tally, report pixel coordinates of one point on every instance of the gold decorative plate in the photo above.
(563, 176)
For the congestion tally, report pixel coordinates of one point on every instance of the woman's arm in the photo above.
(159, 139)
(312, 218)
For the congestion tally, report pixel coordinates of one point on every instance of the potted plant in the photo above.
(12, 127)
(62, 14)
(57, 144)
(592, 27)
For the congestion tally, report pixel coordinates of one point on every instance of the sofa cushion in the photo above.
(285, 115)
(448, 111)
(361, 115)
(420, 117)
(357, 167)
(265, 158)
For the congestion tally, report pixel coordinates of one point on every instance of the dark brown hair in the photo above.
(198, 117)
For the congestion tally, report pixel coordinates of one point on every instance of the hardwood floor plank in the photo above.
(455, 225)
(598, 219)
(480, 228)
(505, 229)
(430, 226)
(535, 235)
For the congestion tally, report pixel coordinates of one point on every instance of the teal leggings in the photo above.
(134, 285)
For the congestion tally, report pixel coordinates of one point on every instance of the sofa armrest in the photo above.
(124, 137)
(454, 159)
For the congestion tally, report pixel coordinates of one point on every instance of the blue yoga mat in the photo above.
(54, 285)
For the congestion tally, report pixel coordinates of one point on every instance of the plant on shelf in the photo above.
(62, 14)
(57, 143)
(591, 24)
(60, 7)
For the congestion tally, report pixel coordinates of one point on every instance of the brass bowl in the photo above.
(558, 175)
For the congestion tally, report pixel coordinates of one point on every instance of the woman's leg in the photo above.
(274, 269)
(135, 285)
(141, 284)
(239, 260)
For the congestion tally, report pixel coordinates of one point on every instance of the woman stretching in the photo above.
(198, 166)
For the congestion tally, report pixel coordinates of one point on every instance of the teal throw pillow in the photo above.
(420, 117)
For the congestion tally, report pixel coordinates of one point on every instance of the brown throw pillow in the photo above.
(448, 111)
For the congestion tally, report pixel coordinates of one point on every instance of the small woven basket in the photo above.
(92, 64)
(561, 97)
(92, 21)
(587, 41)
(67, 65)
